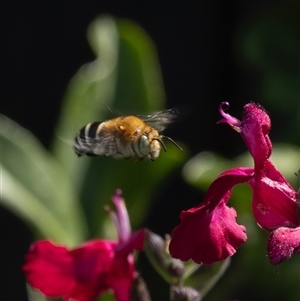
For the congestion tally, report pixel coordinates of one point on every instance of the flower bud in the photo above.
(139, 291)
(184, 293)
(156, 249)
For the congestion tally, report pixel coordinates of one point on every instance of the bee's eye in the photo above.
(144, 145)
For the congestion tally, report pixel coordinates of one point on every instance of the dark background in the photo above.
(44, 44)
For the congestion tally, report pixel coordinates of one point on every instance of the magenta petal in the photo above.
(123, 272)
(78, 274)
(283, 243)
(255, 127)
(49, 268)
(92, 262)
(205, 236)
(135, 242)
(224, 182)
(121, 276)
(274, 200)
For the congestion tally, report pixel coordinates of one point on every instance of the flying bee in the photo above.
(125, 136)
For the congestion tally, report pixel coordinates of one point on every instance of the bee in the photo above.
(125, 136)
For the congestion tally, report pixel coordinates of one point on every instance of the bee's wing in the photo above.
(160, 120)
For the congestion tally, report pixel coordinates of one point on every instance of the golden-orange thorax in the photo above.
(128, 128)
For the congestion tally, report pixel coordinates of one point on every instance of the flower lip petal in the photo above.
(77, 274)
(48, 267)
(218, 236)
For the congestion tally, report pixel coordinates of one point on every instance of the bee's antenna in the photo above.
(170, 139)
(162, 143)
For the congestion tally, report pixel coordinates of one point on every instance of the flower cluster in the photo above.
(87, 271)
(274, 202)
(99, 265)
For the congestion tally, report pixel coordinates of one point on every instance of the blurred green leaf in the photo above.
(35, 187)
(89, 94)
(203, 168)
(107, 297)
(139, 83)
(34, 295)
(63, 196)
(204, 277)
(125, 76)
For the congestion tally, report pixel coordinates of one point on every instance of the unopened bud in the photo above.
(139, 290)
(156, 250)
(184, 293)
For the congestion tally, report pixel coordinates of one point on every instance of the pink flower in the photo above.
(209, 232)
(90, 269)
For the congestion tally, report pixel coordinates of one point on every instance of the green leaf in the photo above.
(139, 86)
(36, 188)
(34, 295)
(204, 277)
(89, 94)
(126, 77)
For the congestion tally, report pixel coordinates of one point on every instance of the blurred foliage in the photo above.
(270, 46)
(125, 76)
(62, 197)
